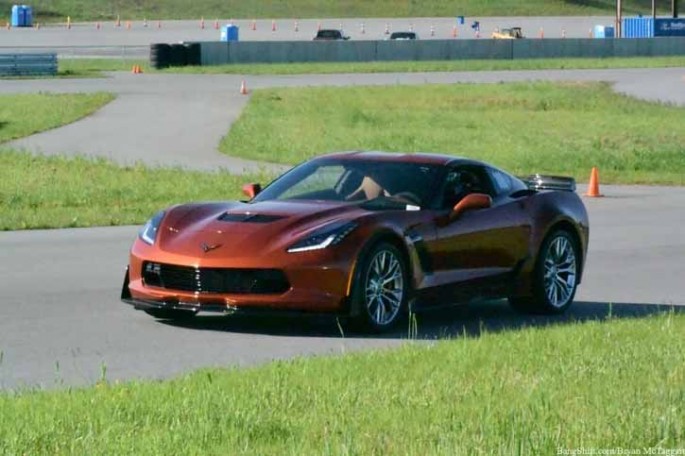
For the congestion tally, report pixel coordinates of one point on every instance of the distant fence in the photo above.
(28, 64)
(217, 53)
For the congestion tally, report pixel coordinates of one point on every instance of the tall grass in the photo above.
(616, 384)
(524, 127)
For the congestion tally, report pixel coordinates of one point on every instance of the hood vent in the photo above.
(249, 218)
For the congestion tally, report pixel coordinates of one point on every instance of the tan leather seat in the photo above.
(369, 189)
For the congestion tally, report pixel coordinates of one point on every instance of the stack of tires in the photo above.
(164, 55)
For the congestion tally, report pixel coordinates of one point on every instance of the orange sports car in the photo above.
(367, 235)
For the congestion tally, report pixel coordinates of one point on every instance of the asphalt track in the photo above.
(85, 39)
(61, 322)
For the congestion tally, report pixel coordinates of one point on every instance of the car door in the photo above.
(481, 246)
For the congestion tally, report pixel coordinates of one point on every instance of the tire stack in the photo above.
(160, 55)
(174, 55)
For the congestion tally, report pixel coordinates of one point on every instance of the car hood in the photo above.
(247, 228)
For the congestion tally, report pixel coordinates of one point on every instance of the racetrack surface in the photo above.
(61, 322)
(85, 39)
(179, 120)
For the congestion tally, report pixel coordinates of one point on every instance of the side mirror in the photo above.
(470, 202)
(251, 190)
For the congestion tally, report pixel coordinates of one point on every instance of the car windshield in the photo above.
(356, 180)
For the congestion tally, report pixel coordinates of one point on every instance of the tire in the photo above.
(160, 55)
(193, 54)
(381, 305)
(555, 277)
(170, 314)
(178, 56)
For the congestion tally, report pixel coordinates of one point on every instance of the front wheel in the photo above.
(555, 277)
(381, 289)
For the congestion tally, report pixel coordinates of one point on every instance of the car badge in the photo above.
(208, 247)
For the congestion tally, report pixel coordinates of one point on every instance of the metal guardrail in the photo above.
(28, 64)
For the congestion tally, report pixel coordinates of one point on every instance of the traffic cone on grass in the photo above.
(243, 88)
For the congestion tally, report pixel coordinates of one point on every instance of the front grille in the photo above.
(215, 280)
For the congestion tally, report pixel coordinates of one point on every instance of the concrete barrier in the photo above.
(217, 53)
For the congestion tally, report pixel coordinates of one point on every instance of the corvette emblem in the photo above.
(208, 247)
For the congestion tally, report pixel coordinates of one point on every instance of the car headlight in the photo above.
(148, 233)
(323, 237)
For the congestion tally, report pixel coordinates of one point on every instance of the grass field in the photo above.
(56, 192)
(522, 127)
(618, 383)
(95, 67)
(432, 66)
(58, 10)
(24, 114)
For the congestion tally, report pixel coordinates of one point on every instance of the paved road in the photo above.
(179, 119)
(86, 39)
(60, 318)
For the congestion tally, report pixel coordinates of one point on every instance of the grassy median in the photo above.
(58, 192)
(70, 67)
(618, 383)
(557, 128)
(25, 114)
(433, 66)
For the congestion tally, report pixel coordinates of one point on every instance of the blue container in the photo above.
(230, 32)
(638, 27)
(28, 16)
(609, 31)
(16, 18)
(460, 20)
(669, 27)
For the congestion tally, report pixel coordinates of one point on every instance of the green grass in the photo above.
(522, 127)
(85, 68)
(56, 192)
(431, 66)
(610, 384)
(25, 114)
(58, 10)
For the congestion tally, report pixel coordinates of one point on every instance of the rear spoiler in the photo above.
(542, 182)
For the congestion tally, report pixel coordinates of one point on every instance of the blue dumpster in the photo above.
(229, 32)
(638, 27)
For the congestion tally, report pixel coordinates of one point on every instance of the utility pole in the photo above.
(674, 8)
(654, 9)
(619, 18)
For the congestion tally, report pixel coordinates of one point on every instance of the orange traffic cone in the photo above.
(273, 26)
(216, 24)
(296, 27)
(128, 25)
(542, 32)
(97, 26)
(454, 31)
(202, 23)
(318, 27)
(254, 25)
(593, 187)
(243, 88)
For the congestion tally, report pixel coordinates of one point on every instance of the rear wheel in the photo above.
(381, 289)
(555, 277)
(170, 314)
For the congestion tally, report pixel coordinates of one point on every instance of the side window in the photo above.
(502, 182)
(463, 180)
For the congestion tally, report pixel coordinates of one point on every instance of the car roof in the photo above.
(400, 157)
